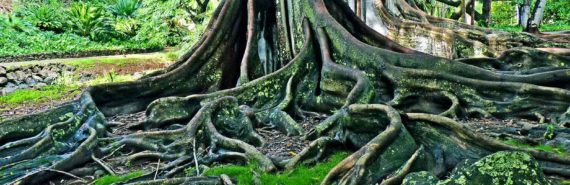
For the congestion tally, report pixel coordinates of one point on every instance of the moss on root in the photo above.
(498, 168)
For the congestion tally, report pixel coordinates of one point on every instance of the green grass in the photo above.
(301, 175)
(43, 94)
(542, 147)
(111, 179)
(13, 43)
(92, 62)
(543, 28)
(64, 86)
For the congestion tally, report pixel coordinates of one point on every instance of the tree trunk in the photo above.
(274, 64)
(525, 13)
(487, 12)
(536, 17)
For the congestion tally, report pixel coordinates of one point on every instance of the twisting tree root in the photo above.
(273, 63)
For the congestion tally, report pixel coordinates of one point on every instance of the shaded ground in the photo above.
(280, 145)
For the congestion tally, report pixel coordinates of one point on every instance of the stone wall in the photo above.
(44, 56)
(33, 76)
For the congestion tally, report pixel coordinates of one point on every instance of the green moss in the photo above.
(499, 168)
(546, 148)
(301, 175)
(111, 179)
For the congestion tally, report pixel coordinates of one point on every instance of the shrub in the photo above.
(85, 19)
(126, 27)
(125, 8)
(503, 13)
(557, 11)
(11, 22)
(45, 16)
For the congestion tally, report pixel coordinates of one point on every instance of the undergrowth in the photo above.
(547, 148)
(117, 179)
(301, 175)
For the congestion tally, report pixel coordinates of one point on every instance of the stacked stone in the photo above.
(33, 76)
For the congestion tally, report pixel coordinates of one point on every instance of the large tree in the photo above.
(394, 99)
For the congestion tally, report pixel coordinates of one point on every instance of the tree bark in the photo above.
(536, 18)
(525, 13)
(487, 12)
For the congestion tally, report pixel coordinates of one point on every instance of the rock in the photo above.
(503, 167)
(47, 73)
(37, 78)
(41, 84)
(3, 80)
(10, 87)
(11, 76)
(69, 68)
(20, 75)
(49, 80)
(36, 69)
(31, 81)
(2, 70)
(23, 86)
(10, 84)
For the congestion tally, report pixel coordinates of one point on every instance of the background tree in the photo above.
(487, 12)
(537, 15)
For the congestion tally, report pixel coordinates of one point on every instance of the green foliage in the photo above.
(46, 26)
(556, 15)
(435, 8)
(172, 56)
(116, 179)
(508, 28)
(19, 43)
(126, 27)
(301, 175)
(45, 16)
(503, 13)
(86, 19)
(550, 131)
(125, 8)
(12, 23)
(557, 12)
(517, 143)
(557, 26)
